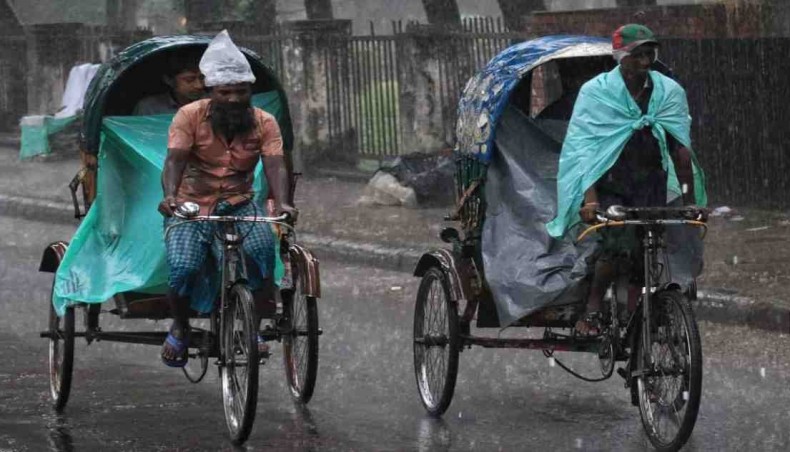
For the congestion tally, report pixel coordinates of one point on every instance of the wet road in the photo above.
(366, 398)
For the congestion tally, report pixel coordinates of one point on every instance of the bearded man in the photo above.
(214, 146)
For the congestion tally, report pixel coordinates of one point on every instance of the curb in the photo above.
(12, 141)
(346, 175)
(713, 305)
(720, 307)
(36, 209)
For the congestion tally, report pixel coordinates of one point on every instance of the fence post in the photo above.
(419, 89)
(305, 66)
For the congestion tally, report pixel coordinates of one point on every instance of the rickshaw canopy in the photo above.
(488, 92)
(137, 72)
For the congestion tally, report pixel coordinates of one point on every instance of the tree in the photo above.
(442, 12)
(514, 11)
(318, 9)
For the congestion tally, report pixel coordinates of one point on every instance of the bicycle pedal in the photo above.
(623, 373)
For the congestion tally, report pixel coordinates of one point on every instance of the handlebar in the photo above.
(616, 216)
(651, 214)
(188, 212)
(231, 218)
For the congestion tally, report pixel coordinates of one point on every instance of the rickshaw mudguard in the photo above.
(307, 264)
(53, 255)
(447, 262)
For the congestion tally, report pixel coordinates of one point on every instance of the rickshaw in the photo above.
(504, 270)
(115, 263)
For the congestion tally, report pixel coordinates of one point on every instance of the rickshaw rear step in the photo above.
(559, 344)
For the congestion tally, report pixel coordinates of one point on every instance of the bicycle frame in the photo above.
(651, 244)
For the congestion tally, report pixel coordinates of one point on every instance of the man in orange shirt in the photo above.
(214, 145)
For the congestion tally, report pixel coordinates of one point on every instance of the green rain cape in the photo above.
(604, 118)
(119, 246)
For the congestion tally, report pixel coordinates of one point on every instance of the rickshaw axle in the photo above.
(562, 345)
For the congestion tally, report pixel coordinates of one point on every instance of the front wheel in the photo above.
(239, 363)
(300, 341)
(436, 342)
(669, 391)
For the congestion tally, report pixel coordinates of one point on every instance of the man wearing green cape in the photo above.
(628, 143)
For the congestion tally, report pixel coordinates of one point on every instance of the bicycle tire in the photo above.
(435, 382)
(61, 354)
(301, 368)
(240, 403)
(690, 385)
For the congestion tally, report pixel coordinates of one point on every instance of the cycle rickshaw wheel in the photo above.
(61, 354)
(669, 395)
(436, 342)
(300, 343)
(239, 369)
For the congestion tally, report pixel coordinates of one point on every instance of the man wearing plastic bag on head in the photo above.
(184, 82)
(628, 143)
(214, 146)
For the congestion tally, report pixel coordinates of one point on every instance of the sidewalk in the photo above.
(746, 280)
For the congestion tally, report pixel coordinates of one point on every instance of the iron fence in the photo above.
(736, 89)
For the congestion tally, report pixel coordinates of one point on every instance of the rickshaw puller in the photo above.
(214, 146)
(637, 179)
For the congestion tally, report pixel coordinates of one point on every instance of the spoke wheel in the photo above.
(61, 354)
(436, 342)
(239, 368)
(300, 342)
(669, 394)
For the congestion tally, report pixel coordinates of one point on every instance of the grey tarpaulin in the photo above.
(525, 268)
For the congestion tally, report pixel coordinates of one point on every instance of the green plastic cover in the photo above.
(119, 246)
(604, 118)
(36, 131)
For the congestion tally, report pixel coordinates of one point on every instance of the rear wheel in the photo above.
(436, 342)
(239, 358)
(61, 354)
(670, 390)
(300, 341)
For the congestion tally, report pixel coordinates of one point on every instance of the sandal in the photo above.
(263, 348)
(181, 349)
(590, 325)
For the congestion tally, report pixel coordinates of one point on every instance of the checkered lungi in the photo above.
(189, 245)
